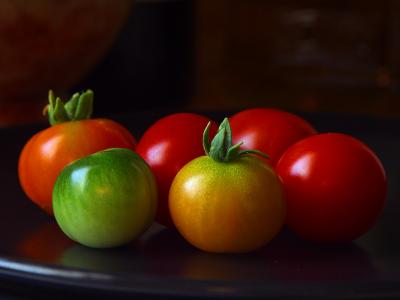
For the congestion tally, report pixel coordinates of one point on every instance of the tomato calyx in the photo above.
(221, 149)
(79, 107)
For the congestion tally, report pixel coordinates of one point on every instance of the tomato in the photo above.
(271, 131)
(105, 199)
(226, 201)
(167, 146)
(49, 150)
(335, 186)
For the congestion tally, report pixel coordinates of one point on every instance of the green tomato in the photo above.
(105, 199)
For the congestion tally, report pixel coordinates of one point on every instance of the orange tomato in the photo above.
(50, 150)
(225, 205)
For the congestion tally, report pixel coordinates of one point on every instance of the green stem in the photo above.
(221, 149)
(79, 107)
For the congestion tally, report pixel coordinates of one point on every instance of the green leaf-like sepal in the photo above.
(221, 148)
(253, 151)
(218, 144)
(79, 107)
(84, 108)
(206, 139)
(72, 104)
(233, 151)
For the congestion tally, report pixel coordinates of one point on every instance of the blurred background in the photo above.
(336, 56)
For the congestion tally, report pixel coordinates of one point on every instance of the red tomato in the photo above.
(335, 187)
(167, 146)
(48, 151)
(271, 131)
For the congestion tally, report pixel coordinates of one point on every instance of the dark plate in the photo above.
(36, 256)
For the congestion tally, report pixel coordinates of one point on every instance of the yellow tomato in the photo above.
(227, 206)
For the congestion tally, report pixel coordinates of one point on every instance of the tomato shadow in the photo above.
(292, 258)
(286, 258)
(48, 244)
(167, 253)
(163, 252)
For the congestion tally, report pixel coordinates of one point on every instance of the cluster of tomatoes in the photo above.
(226, 188)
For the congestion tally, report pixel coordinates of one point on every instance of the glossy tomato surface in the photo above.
(167, 146)
(271, 131)
(335, 187)
(227, 207)
(50, 150)
(105, 199)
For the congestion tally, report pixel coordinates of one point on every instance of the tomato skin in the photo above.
(167, 146)
(335, 186)
(105, 199)
(227, 207)
(271, 131)
(50, 150)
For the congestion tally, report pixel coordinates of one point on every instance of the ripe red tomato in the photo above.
(167, 146)
(271, 131)
(335, 187)
(50, 150)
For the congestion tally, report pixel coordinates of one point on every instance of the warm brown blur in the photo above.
(306, 55)
(51, 44)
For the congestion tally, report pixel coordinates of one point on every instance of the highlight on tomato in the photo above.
(269, 130)
(227, 201)
(335, 187)
(105, 199)
(72, 135)
(167, 146)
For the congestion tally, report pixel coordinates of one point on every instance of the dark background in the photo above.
(151, 64)
(229, 54)
(206, 55)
